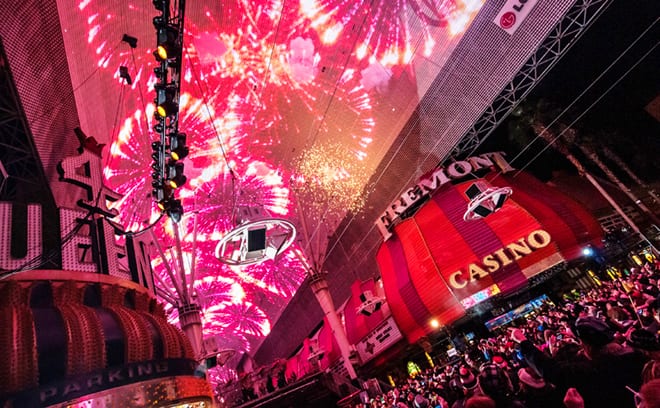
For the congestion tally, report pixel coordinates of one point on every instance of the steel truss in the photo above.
(569, 29)
(21, 174)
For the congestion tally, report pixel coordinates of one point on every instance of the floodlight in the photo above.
(178, 148)
(123, 73)
(168, 47)
(130, 40)
(175, 176)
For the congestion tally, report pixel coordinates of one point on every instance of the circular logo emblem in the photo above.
(508, 19)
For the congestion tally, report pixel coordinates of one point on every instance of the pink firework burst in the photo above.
(382, 29)
(282, 276)
(128, 172)
(245, 317)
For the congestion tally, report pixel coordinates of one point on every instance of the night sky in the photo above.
(619, 119)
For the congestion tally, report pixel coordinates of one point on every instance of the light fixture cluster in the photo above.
(170, 149)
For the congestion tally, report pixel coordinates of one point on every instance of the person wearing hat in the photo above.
(646, 342)
(420, 402)
(496, 384)
(469, 386)
(534, 391)
(502, 363)
(601, 365)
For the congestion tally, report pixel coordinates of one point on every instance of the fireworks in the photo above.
(279, 101)
(330, 178)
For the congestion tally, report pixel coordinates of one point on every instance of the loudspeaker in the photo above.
(256, 240)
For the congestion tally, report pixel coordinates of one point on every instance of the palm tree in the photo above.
(555, 140)
(624, 166)
(586, 145)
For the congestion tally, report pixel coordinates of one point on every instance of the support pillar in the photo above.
(190, 320)
(319, 285)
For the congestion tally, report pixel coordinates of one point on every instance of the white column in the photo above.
(320, 287)
(190, 320)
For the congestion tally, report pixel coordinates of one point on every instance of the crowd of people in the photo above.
(595, 349)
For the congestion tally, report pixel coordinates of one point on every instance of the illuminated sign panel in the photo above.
(513, 13)
(411, 198)
(385, 335)
(88, 236)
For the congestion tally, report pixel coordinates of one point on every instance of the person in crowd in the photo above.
(593, 350)
(602, 364)
(495, 383)
(468, 386)
(649, 395)
(480, 401)
(534, 391)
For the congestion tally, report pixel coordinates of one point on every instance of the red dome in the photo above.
(436, 264)
(59, 324)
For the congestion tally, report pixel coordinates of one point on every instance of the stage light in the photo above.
(178, 148)
(175, 210)
(175, 176)
(130, 40)
(172, 207)
(123, 73)
(178, 181)
(168, 47)
(160, 5)
(167, 108)
(165, 105)
(158, 128)
(435, 323)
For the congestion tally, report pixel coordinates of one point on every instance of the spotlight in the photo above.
(123, 73)
(587, 251)
(165, 105)
(175, 176)
(167, 44)
(172, 207)
(160, 5)
(167, 108)
(178, 148)
(175, 210)
(130, 40)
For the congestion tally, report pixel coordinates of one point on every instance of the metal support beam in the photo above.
(569, 29)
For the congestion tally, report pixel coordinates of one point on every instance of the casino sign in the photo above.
(436, 265)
